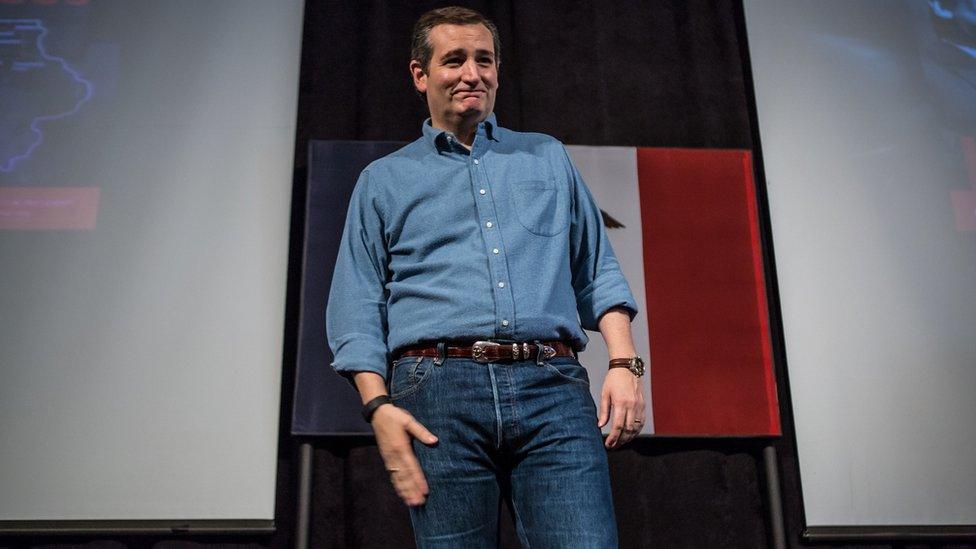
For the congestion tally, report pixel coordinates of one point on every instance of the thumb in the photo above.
(604, 409)
(421, 433)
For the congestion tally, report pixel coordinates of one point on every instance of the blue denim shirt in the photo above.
(440, 243)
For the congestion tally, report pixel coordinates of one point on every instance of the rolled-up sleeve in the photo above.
(597, 280)
(356, 319)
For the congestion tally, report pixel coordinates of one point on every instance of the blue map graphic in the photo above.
(36, 88)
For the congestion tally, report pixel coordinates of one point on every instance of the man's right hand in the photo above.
(394, 428)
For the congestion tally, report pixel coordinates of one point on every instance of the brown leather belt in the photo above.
(493, 351)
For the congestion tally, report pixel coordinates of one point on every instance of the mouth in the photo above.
(469, 93)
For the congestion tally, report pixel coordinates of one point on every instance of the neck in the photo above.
(464, 129)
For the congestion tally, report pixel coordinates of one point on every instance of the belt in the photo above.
(494, 351)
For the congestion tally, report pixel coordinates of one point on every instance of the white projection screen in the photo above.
(867, 116)
(146, 157)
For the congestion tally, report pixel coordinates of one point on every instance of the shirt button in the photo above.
(494, 250)
(488, 224)
(504, 323)
(475, 160)
(501, 284)
(482, 191)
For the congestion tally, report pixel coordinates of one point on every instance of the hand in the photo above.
(623, 396)
(394, 428)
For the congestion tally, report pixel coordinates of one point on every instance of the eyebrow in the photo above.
(463, 52)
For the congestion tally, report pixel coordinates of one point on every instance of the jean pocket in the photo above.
(409, 375)
(569, 369)
(538, 205)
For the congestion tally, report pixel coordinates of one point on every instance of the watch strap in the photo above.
(370, 407)
(634, 364)
(621, 362)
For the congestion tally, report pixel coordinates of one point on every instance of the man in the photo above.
(473, 258)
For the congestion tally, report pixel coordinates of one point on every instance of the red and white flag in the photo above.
(685, 229)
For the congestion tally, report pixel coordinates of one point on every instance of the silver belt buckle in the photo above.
(478, 350)
(547, 352)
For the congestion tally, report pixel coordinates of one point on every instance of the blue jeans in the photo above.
(524, 431)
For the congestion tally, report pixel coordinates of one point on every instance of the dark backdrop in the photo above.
(656, 73)
(592, 73)
(661, 73)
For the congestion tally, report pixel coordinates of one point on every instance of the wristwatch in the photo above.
(634, 364)
(370, 407)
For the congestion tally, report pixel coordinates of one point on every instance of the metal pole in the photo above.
(304, 496)
(774, 497)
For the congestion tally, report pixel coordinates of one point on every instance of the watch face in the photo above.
(637, 366)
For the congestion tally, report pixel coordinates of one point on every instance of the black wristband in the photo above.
(370, 407)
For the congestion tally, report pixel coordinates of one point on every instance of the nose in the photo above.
(469, 71)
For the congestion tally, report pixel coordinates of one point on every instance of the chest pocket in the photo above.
(540, 206)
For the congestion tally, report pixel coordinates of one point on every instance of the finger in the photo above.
(606, 418)
(641, 415)
(618, 427)
(604, 409)
(420, 432)
(630, 428)
(409, 480)
(418, 482)
(405, 489)
(635, 415)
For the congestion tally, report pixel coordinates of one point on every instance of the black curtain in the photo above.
(589, 73)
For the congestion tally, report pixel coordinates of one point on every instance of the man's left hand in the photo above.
(623, 398)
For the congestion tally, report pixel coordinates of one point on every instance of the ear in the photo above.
(419, 76)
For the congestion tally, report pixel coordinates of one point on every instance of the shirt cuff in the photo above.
(601, 296)
(359, 353)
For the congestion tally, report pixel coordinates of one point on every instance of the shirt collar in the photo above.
(439, 138)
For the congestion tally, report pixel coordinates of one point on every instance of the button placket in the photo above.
(497, 264)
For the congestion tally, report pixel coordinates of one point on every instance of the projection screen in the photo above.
(867, 115)
(146, 153)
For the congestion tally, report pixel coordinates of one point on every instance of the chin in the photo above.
(473, 112)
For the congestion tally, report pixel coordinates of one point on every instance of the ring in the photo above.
(638, 421)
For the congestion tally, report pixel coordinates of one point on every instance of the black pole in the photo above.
(774, 497)
(304, 495)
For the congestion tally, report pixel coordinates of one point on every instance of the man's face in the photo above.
(462, 77)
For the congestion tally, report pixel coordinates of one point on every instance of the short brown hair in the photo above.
(420, 48)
